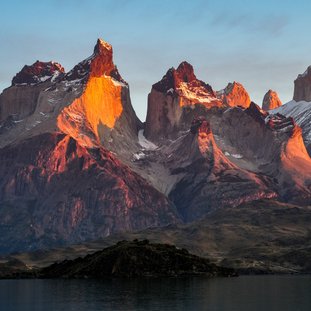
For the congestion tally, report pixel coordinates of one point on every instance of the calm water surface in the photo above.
(249, 293)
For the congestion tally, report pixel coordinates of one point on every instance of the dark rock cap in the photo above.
(37, 72)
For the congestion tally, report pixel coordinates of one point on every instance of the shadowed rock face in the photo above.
(171, 101)
(280, 154)
(271, 101)
(208, 179)
(54, 191)
(302, 90)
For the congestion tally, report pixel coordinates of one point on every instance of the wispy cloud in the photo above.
(273, 25)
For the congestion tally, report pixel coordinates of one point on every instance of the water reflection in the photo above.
(234, 294)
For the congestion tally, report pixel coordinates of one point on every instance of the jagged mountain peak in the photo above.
(104, 104)
(234, 94)
(176, 79)
(306, 72)
(102, 47)
(302, 89)
(170, 99)
(38, 72)
(271, 101)
(173, 77)
(99, 64)
(88, 103)
(185, 72)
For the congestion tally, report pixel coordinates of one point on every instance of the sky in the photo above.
(262, 44)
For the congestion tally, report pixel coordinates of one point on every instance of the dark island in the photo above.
(131, 259)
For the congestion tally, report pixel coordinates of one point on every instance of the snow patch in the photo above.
(144, 142)
(234, 155)
(198, 93)
(139, 155)
(44, 78)
(118, 83)
(55, 75)
(105, 44)
(237, 156)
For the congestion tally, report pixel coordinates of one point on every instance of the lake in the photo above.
(249, 293)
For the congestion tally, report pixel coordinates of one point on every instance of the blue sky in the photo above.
(262, 44)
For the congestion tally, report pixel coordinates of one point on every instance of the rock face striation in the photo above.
(302, 90)
(271, 101)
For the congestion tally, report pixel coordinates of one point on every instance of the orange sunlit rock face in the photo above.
(235, 95)
(295, 158)
(102, 63)
(271, 101)
(100, 103)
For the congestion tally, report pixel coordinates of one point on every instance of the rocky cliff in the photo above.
(173, 100)
(91, 103)
(302, 90)
(207, 178)
(271, 101)
(61, 180)
(234, 94)
(281, 152)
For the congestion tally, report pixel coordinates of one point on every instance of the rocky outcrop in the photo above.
(300, 112)
(174, 101)
(102, 114)
(280, 154)
(136, 259)
(234, 95)
(21, 99)
(271, 101)
(302, 90)
(299, 107)
(91, 103)
(208, 179)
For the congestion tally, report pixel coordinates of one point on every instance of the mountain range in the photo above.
(76, 163)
